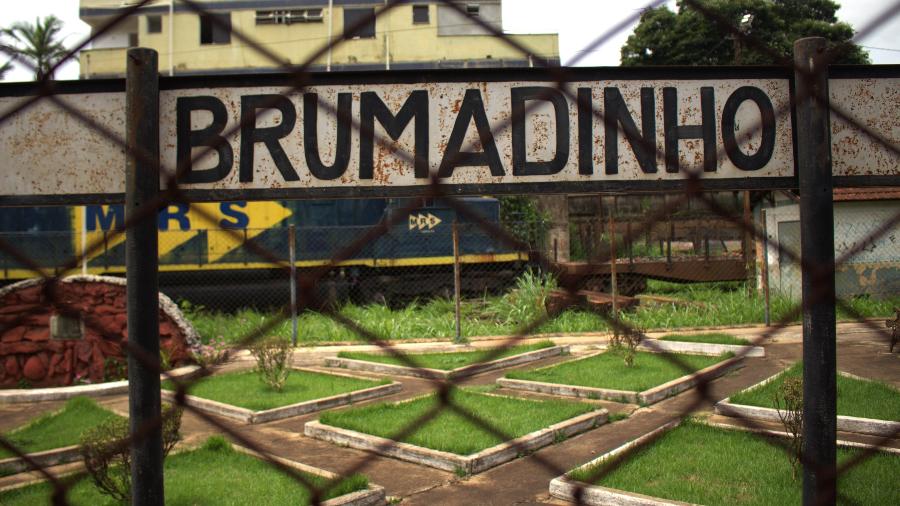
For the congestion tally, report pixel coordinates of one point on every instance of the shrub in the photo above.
(106, 450)
(789, 404)
(207, 355)
(626, 343)
(273, 361)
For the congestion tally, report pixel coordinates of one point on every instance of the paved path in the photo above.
(525, 480)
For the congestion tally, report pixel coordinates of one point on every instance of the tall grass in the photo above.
(704, 304)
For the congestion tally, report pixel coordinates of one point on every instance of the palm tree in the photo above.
(38, 43)
(6, 67)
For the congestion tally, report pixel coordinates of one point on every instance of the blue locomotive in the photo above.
(227, 253)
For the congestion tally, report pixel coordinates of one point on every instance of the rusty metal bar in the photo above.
(764, 269)
(142, 264)
(292, 253)
(456, 283)
(613, 281)
(817, 272)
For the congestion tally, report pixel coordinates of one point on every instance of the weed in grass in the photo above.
(616, 417)
(713, 304)
(460, 472)
(559, 437)
(625, 343)
(273, 361)
(107, 453)
(789, 404)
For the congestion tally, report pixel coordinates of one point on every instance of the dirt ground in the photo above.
(861, 351)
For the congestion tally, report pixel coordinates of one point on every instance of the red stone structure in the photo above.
(90, 310)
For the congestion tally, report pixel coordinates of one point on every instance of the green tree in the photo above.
(690, 37)
(37, 43)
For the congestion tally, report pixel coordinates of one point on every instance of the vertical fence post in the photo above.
(456, 282)
(142, 262)
(747, 241)
(817, 268)
(84, 258)
(612, 276)
(764, 270)
(292, 254)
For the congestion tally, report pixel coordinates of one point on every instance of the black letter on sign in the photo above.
(251, 134)
(209, 136)
(371, 108)
(643, 144)
(472, 108)
(767, 145)
(521, 166)
(675, 132)
(585, 132)
(311, 136)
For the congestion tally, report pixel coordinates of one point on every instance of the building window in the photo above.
(473, 9)
(215, 28)
(132, 40)
(354, 16)
(282, 17)
(420, 15)
(154, 24)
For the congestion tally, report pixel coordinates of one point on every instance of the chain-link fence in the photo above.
(412, 251)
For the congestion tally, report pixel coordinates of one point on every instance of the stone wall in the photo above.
(30, 356)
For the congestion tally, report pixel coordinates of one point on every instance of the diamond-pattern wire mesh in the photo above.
(309, 298)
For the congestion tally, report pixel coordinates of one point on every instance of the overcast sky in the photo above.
(578, 23)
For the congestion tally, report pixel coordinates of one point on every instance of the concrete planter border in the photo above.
(301, 408)
(95, 390)
(739, 350)
(562, 487)
(468, 464)
(46, 458)
(459, 372)
(870, 426)
(649, 396)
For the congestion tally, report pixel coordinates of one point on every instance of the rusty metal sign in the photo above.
(500, 131)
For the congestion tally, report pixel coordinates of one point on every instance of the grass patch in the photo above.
(58, 429)
(450, 432)
(246, 390)
(712, 338)
(608, 370)
(447, 361)
(723, 303)
(865, 399)
(699, 464)
(212, 474)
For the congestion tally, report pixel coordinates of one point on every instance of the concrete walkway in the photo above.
(861, 351)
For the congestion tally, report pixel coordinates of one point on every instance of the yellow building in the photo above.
(415, 35)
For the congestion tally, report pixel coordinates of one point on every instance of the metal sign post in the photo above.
(817, 262)
(141, 248)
